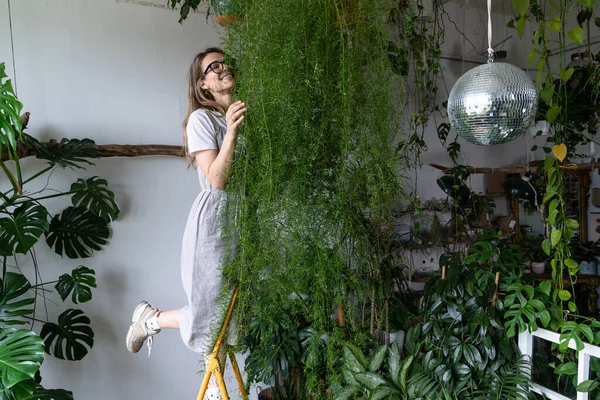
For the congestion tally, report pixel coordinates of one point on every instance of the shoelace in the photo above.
(150, 333)
(150, 343)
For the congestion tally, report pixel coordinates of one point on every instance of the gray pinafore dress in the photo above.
(203, 246)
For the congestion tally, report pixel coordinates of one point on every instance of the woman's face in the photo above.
(218, 77)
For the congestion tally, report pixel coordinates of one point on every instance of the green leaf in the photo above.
(564, 295)
(521, 26)
(94, 195)
(586, 3)
(354, 360)
(546, 246)
(550, 193)
(369, 379)
(347, 393)
(552, 113)
(552, 217)
(462, 369)
(554, 24)
(545, 287)
(394, 362)
(555, 237)
(21, 230)
(571, 263)
(68, 153)
(569, 368)
(79, 283)
(70, 338)
(536, 37)
(404, 372)
(21, 390)
(544, 317)
(576, 35)
(376, 359)
(566, 74)
(382, 392)
(588, 386)
(76, 232)
(10, 121)
(40, 393)
(587, 332)
(572, 307)
(546, 94)
(540, 64)
(571, 223)
(13, 300)
(522, 6)
(21, 354)
(532, 54)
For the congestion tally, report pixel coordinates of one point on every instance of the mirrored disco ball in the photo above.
(493, 103)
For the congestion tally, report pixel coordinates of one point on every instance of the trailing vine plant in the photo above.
(567, 95)
(561, 86)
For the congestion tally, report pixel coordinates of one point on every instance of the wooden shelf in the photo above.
(416, 247)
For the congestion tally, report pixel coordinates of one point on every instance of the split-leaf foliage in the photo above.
(76, 232)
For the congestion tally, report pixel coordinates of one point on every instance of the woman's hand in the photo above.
(234, 117)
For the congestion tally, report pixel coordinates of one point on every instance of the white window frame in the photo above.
(583, 367)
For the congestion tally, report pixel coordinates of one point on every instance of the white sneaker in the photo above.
(139, 331)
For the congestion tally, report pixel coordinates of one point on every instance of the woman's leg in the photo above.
(169, 319)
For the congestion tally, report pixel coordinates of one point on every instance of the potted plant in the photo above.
(586, 255)
(227, 11)
(532, 250)
(538, 260)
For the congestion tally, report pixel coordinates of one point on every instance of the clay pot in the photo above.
(226, 12)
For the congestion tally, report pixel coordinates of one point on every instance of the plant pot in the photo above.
(226, 12)
(538, 267)
(403, 232)
(397, 337)
(587, 268)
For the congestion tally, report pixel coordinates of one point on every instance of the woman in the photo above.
(210, 132)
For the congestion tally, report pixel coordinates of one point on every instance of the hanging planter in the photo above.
(227, 12)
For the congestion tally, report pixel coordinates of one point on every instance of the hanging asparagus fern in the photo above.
(316, 175)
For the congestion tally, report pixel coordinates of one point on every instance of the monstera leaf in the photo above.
(21, 230)
(21, 354)
(67, 153)
(10, 109)
(49, 394)
(76, 232)
(94, 195)
(69, 338)
(21, 390)
(79, 282)
(15, 286)
(31, 390)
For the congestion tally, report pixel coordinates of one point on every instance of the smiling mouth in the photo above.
(229, 75)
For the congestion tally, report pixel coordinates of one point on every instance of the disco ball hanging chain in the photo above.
(493, 103)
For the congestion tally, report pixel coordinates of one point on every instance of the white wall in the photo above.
(115, 73)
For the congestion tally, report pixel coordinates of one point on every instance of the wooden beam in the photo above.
(120, 150)
(511, 169)
(137, 150)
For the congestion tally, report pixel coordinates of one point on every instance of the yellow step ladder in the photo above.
(214, 365)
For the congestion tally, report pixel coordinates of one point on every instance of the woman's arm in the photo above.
(215, 164)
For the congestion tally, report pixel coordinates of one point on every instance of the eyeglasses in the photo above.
(216, 66)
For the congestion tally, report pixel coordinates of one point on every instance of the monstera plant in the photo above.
(76, 232)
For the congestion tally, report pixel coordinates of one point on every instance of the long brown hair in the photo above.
(198, 97)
